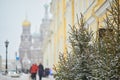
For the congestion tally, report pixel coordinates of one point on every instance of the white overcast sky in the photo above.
(12, 14)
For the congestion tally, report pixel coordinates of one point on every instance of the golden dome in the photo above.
(26, 23)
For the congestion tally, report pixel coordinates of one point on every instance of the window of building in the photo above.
(103, 32)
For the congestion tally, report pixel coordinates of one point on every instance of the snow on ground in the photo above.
(23, 77)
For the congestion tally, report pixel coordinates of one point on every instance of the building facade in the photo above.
(26, 42)
(64, 13)
(0, 63)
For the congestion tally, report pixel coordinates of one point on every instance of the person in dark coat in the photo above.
(40, 71)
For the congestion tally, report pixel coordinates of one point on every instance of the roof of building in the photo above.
(26, 23)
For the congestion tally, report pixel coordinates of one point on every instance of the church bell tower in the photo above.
(26, 41)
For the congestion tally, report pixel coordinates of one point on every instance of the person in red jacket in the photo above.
(33, 71)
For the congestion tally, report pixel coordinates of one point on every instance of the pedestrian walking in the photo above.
(33, 71)
(40, 71)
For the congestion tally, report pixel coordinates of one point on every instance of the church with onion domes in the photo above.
(31, 45)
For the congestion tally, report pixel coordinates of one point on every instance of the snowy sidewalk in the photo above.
(23, 77)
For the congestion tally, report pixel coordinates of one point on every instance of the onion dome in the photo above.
(26, 23)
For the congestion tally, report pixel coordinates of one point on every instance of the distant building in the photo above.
(0, 62)
(31, 45)
(26, 41)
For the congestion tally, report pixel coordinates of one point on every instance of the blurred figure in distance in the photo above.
(40, 71)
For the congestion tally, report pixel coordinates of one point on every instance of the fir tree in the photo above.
(76, 65)
(101, 61)
(108, 50)
(79, 40)
(64, 69)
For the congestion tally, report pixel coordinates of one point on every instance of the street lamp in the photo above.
(6, 45)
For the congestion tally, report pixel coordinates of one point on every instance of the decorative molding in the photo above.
(101, 10)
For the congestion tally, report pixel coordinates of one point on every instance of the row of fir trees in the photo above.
(97, 61)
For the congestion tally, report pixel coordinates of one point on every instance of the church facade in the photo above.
(31, 45)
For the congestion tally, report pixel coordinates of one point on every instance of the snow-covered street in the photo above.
(23, 77)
